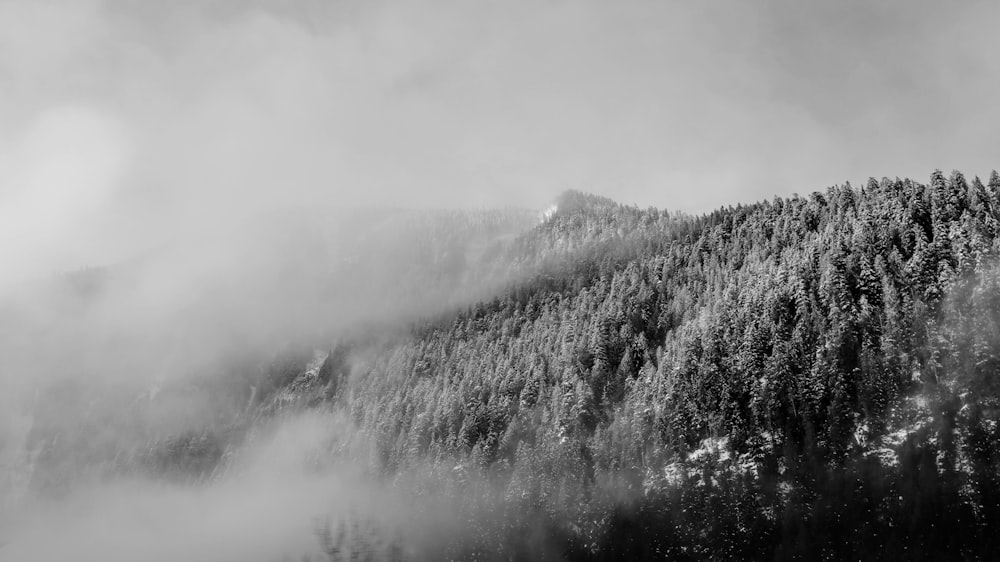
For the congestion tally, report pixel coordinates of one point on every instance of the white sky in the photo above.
(125, 121)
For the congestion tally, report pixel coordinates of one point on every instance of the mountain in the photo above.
(812, 377)
(797, 378)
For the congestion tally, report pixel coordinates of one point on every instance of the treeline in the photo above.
(812, 377)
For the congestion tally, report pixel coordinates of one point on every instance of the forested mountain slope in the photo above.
(810, 376)
(805, 378)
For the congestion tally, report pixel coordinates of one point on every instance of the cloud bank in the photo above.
(163, 117)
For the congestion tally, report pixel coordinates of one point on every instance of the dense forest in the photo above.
(813, 377)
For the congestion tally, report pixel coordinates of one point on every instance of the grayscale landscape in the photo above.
(331, 280)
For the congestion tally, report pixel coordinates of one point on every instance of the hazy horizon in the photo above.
(122, 123)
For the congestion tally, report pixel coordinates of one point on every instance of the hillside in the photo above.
(804, 378)
(798, 377)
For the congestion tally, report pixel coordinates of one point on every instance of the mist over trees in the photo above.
(805, 377)
(812, 377)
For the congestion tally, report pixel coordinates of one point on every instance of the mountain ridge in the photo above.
(683, 383)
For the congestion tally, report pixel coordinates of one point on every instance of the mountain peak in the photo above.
(573, 200)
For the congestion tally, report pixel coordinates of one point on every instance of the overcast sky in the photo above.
(123, 121)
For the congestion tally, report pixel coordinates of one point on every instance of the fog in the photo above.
(281, 492)
(225, 179)
(263, 513)
(125, 123)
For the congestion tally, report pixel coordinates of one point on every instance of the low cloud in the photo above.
(217, 156)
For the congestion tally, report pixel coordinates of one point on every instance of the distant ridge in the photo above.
(573, 200)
